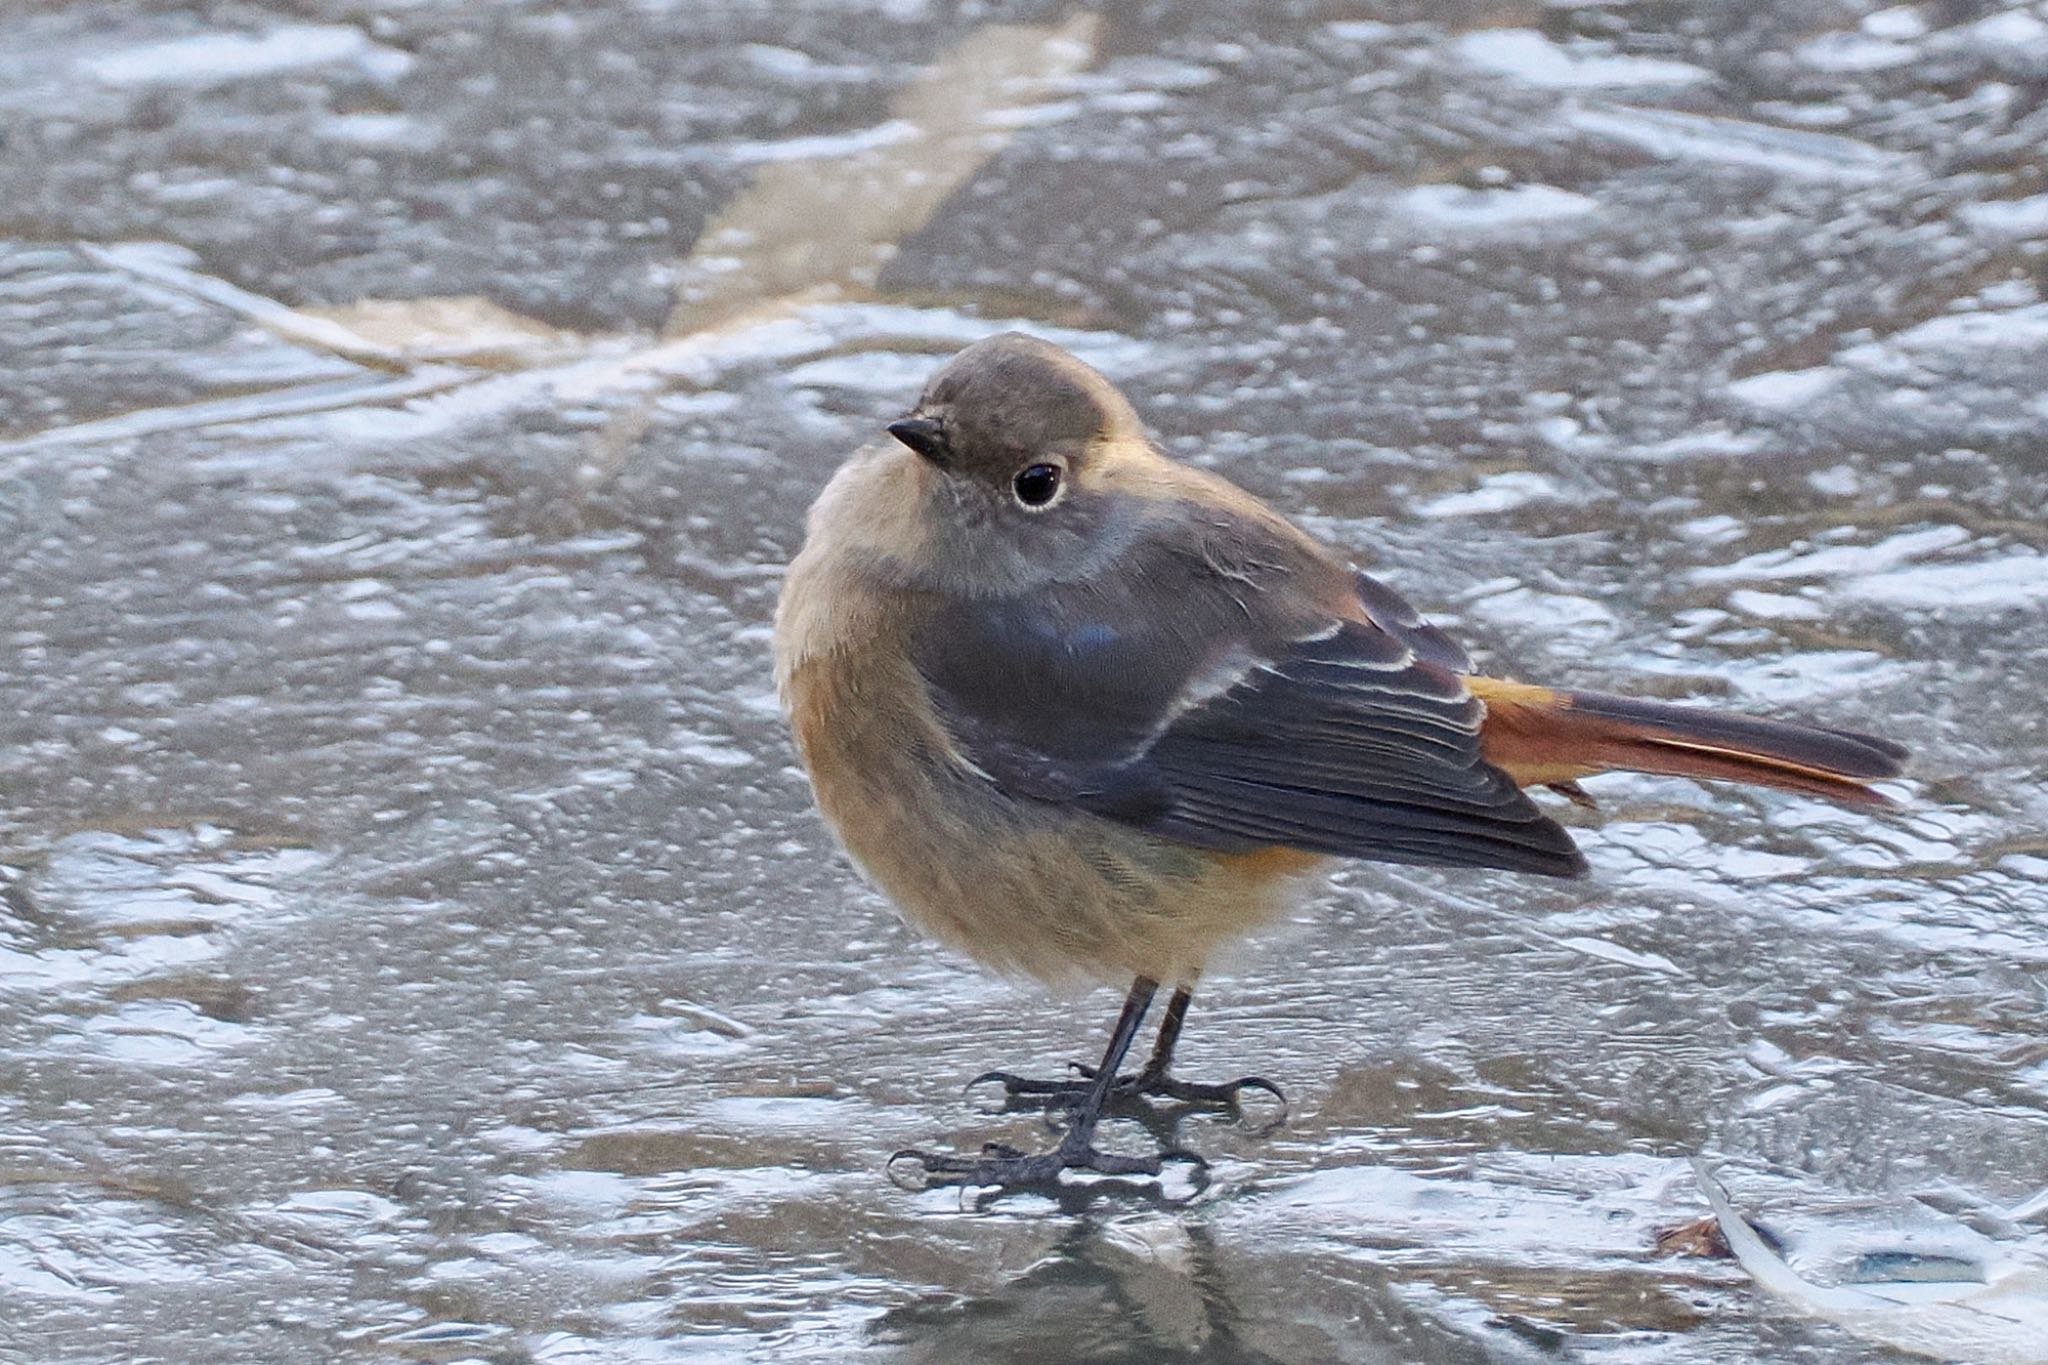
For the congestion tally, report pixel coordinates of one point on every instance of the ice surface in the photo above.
(415, 939)
(1529, 56)
(217, 58)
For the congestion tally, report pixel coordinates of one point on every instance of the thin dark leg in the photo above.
(999, 1165)
(1089, 1111)
(1153, 1080)
(1169, 1035)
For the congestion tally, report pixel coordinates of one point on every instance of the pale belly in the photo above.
(1022, 886)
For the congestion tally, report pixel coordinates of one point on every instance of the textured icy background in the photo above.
(415, 940)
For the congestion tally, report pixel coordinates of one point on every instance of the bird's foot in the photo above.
(1006, 1167)
(1143, 1085)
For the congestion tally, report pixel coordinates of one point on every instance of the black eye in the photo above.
(1036, 484)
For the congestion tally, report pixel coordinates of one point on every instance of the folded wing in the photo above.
(1194, 695)
(1349, 745)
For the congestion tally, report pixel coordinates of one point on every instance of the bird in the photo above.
(1085, 712)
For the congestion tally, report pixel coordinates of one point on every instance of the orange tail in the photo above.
(1543, 735)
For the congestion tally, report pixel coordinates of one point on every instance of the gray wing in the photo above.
(1221, 709)
(1390, 612)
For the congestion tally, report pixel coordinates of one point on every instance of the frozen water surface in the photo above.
(415, 940)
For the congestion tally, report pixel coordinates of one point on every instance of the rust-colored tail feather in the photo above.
(1542, 735)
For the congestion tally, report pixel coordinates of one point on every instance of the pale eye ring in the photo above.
(1036, 486)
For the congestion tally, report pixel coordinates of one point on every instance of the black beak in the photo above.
(922, 435)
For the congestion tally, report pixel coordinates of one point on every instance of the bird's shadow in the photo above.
(1135, 1289)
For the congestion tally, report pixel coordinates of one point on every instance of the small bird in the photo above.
(1081, 710)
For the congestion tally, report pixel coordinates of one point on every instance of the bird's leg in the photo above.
(1006, 1166)
(1153, 1080)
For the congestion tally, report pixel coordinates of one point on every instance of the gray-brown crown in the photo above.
(1012, 398)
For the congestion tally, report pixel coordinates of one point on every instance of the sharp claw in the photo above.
(924, 1161)
(1233, 1095)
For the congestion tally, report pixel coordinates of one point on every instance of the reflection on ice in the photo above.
(414, 938)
